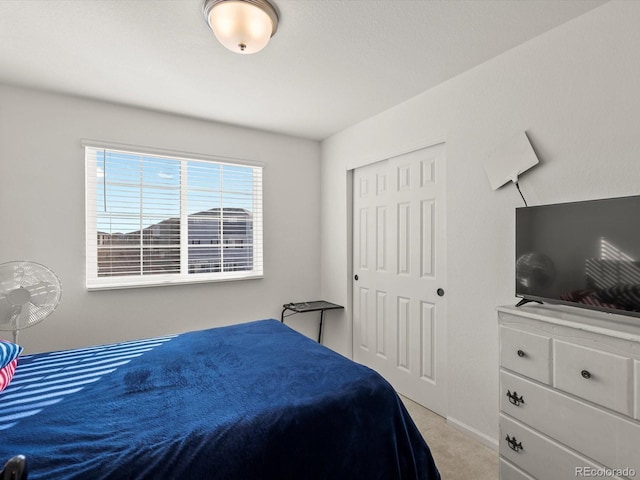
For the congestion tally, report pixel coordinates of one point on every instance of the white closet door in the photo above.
(399, 255)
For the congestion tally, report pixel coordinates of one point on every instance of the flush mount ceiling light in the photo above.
(243, 26)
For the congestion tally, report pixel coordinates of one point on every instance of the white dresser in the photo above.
(569, 394)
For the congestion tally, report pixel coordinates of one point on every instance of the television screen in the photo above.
(585, 254)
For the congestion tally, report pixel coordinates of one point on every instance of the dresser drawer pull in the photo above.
(521, 353)
(514, 398)
(514, 444)
(585, 374)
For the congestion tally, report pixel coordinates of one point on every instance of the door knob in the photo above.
(440, 292)
(355, 278)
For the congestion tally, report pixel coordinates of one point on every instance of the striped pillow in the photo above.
(6, 374)
(8, 352)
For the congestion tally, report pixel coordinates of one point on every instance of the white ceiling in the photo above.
(331, 64)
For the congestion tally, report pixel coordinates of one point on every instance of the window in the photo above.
(155, 219)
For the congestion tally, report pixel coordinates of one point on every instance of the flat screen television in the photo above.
(584, 254)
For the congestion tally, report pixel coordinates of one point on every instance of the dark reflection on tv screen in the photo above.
(583, 254)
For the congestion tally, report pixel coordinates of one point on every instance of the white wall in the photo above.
(42, 218)
(575, 90)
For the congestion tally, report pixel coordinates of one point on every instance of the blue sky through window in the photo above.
(135, 191)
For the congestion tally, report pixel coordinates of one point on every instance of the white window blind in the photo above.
(154, 219)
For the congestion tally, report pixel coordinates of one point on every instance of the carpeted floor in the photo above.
(458, 456)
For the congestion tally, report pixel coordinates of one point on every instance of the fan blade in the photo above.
(35, 314)
(18, 275)
(5, 310)
(8, 313)
(10, 321)
(7, 284)
(29, 316)
(42, 292)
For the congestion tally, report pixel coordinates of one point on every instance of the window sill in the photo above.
(168, 282)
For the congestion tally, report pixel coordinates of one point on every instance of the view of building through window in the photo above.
(173, 216)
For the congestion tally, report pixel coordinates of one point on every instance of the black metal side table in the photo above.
(315, 306)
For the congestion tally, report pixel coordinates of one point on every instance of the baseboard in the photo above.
(487, 441)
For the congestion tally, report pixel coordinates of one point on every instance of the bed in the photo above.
(250, 401)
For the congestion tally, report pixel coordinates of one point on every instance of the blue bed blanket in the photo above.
(250, 401)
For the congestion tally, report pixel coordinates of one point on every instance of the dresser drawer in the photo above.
(510, 472)
(605, 437)
(540, 456)
(526, 353)
(594, 375)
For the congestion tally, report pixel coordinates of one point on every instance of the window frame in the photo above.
(95, 282)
